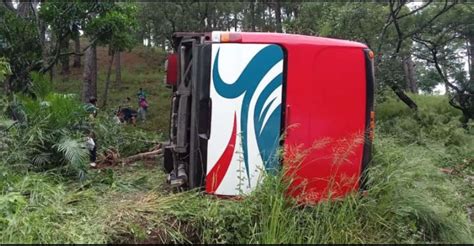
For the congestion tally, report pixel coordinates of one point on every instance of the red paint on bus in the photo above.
(325, 113)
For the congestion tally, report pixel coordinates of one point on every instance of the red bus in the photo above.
(248, 104)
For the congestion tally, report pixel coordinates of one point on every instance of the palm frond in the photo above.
(6, 123)
(74, 151)
(41, 159)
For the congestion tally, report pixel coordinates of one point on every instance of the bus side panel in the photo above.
(246, 96)
(325, 120)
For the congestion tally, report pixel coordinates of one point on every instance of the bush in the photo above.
(48, 132)
(127, 140)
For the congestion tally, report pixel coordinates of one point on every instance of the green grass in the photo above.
(43, 208)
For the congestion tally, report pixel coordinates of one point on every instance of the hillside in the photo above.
(141, 68)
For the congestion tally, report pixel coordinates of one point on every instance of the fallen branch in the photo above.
(142, 156)
(112, 156)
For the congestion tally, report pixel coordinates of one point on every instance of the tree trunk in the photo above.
(118, 69)
(410, 75)
(149, 41)
(44, 44)
(471, 59)
(65, 58)
(406, 99)
(214, 21)
(252, 17)
(107, 80)
(89, 86)
(6, 86)
(163, 44)
(77, 49)
(24, 8)
(295, 12)
(51, 74)
(279, 27)
(236, 19)
(9, 5)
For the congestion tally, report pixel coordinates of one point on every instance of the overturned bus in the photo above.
(245, 105)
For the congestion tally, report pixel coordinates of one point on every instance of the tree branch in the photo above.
(415, 10)
(9, 5)
(387, 24)
(453, 104)
(445, 8)
(58, 54)
(394, 14)
(432, 47)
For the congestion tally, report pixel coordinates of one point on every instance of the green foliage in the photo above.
(48, 130)
(435, 120)
(127, 140)
(41, 87)
(19, 45)
(73, 151)
(443, 46)
(5, 69)
(428, 78)
(114, 27)
(39, 208)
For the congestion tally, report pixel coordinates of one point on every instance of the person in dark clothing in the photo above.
(127, 115)
(91, 107)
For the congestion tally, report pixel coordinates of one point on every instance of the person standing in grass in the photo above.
(91, 140)
(127, 103)
(141, 94)
(142, 104)
(91, 107)
(142, 108)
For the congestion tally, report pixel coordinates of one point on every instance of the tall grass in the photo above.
(46, 208)
(409, 199)
(40, 209)
(408, 202)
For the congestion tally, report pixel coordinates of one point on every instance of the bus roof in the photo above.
(293, 39)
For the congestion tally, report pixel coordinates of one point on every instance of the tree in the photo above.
(64, 47)
(441, 46)
(410, 74)
(89, 86)
(20, 45)
(76, 35)
(114, 28)
(35, 36)
(386, 28)
(118, 69)
(4, 69)
(278, 18)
